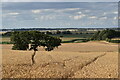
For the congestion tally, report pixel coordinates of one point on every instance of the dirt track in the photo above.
(72, 60)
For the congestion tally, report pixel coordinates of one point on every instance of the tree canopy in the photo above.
(22, 39)
(31, 40)
(105, 34)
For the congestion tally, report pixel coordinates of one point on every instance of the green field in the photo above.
(75, 35)
(66, 38)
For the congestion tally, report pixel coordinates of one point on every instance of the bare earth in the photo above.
(70, 60)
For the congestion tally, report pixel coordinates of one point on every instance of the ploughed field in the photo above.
(70, 60)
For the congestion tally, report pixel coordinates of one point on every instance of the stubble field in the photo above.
(70, 60)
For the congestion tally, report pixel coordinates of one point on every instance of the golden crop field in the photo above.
(69, 38)
(7, 39)
(70, 60)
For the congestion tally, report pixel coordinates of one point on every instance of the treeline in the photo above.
(7, 34)
(31, 29)
(81, 29)
(106, 34)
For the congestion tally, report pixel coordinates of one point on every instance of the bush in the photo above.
(6, 43)
(114, 41)
(76, 41)
(105, 34)
(7, 34)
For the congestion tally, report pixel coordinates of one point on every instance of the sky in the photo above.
(60, 0)
(61, 14)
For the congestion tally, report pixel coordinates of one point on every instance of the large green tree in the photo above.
(31, 40)
(105, 34)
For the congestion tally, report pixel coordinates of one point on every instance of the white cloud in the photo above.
(103, 18)
(72, 9)
(13, 13)
(87, 10)
(47, 9)
(70, 16)
(42, 17)
(116, 12)
(36, 11)
(67, 9)
(104, 13)
(79, 12)
(115, 18)
(79, 16)
(92, 17)
(45, 17)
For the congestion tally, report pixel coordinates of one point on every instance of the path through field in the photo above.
(70, 60)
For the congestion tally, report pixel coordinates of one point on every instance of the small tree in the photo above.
(35, 39)
(49, 33)
(58, 32)
(105, 34)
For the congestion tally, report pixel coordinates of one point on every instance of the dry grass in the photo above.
(116, 39)
(71, 60)
(68, 39)
(2, 32)
(5, 39)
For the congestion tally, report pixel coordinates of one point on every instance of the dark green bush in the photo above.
(6, 43)
(114, 41)
(76, 40)
(105, 34)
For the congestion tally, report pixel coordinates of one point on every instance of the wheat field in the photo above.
(70, 60)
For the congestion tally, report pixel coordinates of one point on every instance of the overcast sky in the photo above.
(59, 0)
(59, 14)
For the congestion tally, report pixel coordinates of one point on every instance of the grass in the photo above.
(6, 43)
(74, 35)
(70, 38)
(66, 38)
(5, 39)
(76, 41)
(114, 41)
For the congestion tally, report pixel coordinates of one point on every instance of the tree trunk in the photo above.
(33, 61)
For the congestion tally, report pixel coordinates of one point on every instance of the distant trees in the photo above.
(7, 34)
(105, 34)
(48, 32)
(58, 32)
(22, 39)
(66, 32)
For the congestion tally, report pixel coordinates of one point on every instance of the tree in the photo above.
(66, 32)
(58, 32)
(95, 36)
(105, 34)
(22, 39)
(50, 33)
(7, 34)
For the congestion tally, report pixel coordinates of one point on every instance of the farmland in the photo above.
(67, 37)
(59, 40)
(70, 60)
(75, 58)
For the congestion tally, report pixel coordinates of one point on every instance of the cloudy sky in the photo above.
(59, 14)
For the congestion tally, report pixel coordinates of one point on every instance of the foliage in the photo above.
(105, 34)
(76, 41)
(113, 41)
(50, 33)
(7, 34)
(22, 40)
(66, 32)
(58, 32)
(5, 42)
